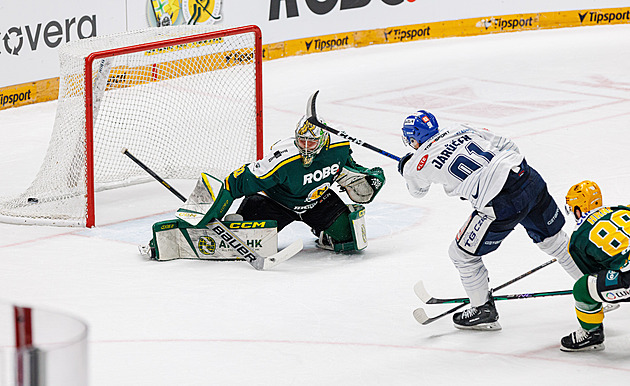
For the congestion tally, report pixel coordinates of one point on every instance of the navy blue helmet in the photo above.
(420, 126)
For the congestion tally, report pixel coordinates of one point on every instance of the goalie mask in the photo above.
(420, 126)
(584, 197)
(310, 140)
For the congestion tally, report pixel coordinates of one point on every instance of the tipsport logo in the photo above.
(407, 34)
(599, 17)
(10, 98)
(320, 7)
(162, 13)
(506, 24)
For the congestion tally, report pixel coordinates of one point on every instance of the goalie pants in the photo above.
(260, 207)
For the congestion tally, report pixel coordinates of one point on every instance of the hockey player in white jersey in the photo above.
(488, 171)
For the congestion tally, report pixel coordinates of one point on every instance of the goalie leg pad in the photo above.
(347, 233)
(176, 239)
(208, 201)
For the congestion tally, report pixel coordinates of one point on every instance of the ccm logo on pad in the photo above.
(422, 162)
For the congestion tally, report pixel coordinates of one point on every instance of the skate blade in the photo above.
(595, 347)
(494, 326)
(610, 307)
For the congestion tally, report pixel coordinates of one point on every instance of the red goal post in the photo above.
(184, 99)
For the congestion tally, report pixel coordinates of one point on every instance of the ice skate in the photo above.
(583, 340)
(484, 317)
(147, 251)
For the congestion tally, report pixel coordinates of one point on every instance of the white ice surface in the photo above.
(326, 319)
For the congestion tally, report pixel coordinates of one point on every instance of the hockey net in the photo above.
(183, 99)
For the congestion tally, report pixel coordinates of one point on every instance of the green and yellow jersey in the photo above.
(281, 175)
(601, 240)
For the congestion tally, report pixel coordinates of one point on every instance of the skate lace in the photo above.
(469, 313)
(580, 335)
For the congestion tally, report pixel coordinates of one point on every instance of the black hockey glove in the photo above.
(403, 160)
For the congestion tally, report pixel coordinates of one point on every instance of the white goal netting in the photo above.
(186, 105)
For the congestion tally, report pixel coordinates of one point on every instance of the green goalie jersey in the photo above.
(281, 175)
(601, 240)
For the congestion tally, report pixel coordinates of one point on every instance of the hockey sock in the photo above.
(589, 311)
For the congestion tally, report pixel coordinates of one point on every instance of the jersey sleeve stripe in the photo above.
(346, 143)
(278, 166)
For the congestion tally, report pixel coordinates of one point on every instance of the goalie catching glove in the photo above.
(361, 184)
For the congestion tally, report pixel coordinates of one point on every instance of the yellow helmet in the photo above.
(584, 196)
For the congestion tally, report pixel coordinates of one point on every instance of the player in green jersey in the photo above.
(600, 246)
(293, 183)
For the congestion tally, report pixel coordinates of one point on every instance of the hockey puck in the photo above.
(32, 200)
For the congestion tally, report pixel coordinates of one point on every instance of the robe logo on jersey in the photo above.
(318, 192)
(319, 175)
(206, 245)
(422, 162)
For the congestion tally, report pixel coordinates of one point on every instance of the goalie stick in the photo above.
(421, 316)
(247, 253)
(312, 118)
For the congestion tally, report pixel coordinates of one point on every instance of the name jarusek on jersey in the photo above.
(449, 150)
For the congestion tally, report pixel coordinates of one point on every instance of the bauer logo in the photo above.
(16, 96)
(17, 39)
(293, 8)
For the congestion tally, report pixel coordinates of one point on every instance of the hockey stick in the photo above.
(247, 253)
(152, 173)
(421, 316)
(424, 296)
(312, 118)
(512, 296)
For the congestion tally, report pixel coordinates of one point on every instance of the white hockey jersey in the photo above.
(469, 162)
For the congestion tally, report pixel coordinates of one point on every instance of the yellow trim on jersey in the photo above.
(286, 161)
(346, 143)
(594, 318)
